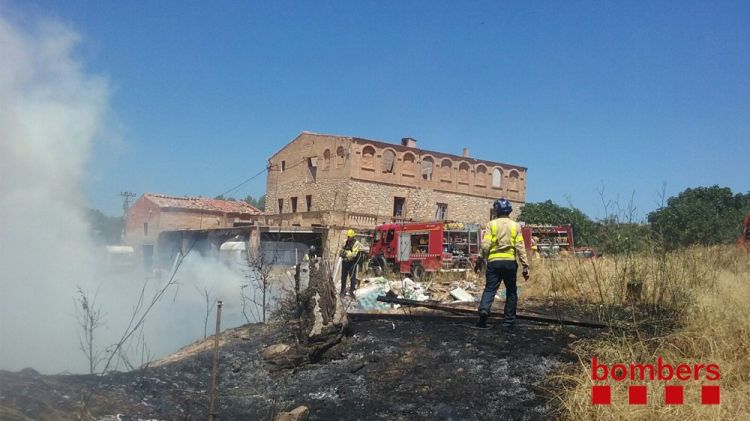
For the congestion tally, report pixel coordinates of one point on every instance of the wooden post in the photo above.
(215, 368)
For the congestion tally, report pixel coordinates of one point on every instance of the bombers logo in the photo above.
(661, 371)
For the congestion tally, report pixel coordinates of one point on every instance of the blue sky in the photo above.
(625, 95)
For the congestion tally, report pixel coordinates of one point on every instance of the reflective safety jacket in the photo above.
(351, 249)
(503, 240)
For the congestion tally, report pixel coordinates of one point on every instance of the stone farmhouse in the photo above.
(332, 183)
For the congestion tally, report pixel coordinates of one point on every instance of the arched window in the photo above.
(340, 157)
(368, 157)
(497, 177)
(409, 163)
(463, 173)
(445, 169)
(481, 176)
(326, 159)
(514, 180)
(427, 165)
(389, 160)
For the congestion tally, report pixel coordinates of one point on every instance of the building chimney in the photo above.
(466, 153)
(409, 142)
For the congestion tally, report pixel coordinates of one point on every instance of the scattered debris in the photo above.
(520, 316)
(461, 295)
(367, 298)
(413, 290)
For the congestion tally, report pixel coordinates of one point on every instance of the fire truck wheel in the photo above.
(417, 272)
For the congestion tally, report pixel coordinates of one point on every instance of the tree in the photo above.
(259, 284)
(90, 318)
(550, 213)
(105, 229)
(221, 197)
(702, 215)
(259, 203)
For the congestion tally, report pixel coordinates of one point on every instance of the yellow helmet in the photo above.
(350, 233)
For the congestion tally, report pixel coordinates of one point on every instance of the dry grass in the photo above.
(694, 308)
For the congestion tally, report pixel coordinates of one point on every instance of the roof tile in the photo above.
(202, 203)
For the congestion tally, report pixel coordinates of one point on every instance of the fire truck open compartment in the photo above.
(460, 243)
(420, 247)
(549, 241)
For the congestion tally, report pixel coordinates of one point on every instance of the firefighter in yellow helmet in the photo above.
(350, 255)
(502, 245)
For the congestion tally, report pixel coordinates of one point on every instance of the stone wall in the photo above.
(289, 174)
(340, 161)
(370, 161)
(354, 176)
(420, 203)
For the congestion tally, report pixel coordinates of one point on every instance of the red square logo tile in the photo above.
(637, 395)
(710, 395)
(601, 395)
(673, 395)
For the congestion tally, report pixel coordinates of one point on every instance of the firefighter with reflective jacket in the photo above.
(349, 260)
(502, 245)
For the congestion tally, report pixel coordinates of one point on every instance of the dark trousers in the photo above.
(497, 271)
(349, 269)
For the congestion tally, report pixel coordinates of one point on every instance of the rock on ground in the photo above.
(299, 413)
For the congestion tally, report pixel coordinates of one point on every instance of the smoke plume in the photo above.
(50, 113)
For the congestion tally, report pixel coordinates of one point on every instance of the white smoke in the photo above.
(182, 315)
(50, 113)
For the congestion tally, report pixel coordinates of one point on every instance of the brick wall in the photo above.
(159, 219)
(142, 211)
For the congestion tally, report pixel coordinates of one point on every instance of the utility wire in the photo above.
(244, 182)
(258, 174)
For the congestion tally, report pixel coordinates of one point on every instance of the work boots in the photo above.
(482, 323)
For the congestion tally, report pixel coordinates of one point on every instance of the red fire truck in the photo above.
(744, 239)
(549, 240)
(420, 247)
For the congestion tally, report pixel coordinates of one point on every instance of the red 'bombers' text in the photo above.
(658, 371)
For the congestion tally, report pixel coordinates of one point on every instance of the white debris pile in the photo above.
(367, 295)
(461, 295)
(371, 288)
(411, 290)
(459, 291)
(466, 285)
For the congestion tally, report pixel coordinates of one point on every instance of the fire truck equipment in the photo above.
(422, 247)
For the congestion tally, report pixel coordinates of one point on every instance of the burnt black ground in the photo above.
(386, 370)
(433, 371)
